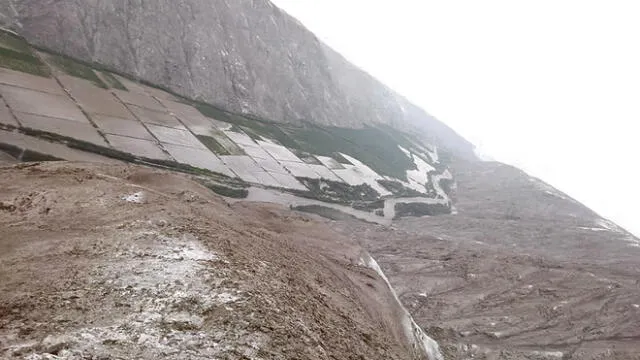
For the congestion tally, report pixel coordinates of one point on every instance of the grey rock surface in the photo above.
(246, 56)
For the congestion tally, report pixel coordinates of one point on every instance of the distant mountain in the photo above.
(247, 56)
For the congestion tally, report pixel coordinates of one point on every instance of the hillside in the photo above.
(521, 271)
(57, 108)
(120, 261)
(51, 103)
(245, 56)
(293, 206)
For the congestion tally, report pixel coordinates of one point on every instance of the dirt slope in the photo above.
(522, 271)
(121, 262)
(6, 158)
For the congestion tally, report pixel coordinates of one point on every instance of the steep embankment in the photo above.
(126, 262)
(245, 56)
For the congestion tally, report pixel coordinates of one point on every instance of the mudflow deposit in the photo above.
(207, 180)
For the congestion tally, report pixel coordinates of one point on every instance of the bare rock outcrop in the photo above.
(247, 56)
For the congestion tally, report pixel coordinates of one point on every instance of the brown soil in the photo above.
(124, 262)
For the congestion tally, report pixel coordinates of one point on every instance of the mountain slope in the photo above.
(246, 56)
(504, 266)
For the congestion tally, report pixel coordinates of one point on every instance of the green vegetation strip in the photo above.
(306, 157)
(77, 69)
(375, 147)
(112, 81)
(224, 190)
(26, 155)
(370, 206)
(15, 54)
(213, 145)
(256, 129)
(399, 190)
(421, 209)
(15, 43)
(325, 212)
(335, 192)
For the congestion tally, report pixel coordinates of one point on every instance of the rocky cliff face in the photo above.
(247, 56)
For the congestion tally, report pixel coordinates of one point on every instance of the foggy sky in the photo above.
(552, 87)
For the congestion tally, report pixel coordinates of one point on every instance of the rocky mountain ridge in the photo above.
(247, 56)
